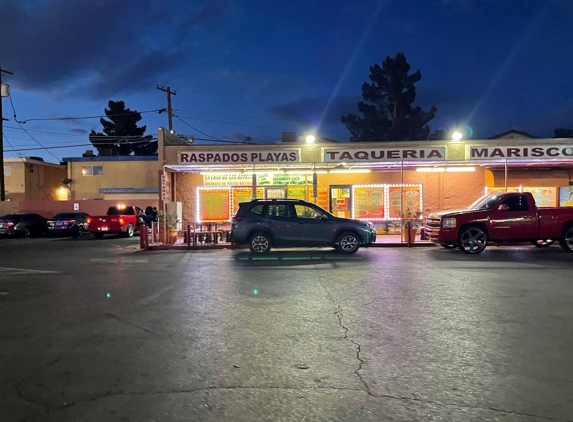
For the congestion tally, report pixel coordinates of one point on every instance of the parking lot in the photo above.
(101, 331)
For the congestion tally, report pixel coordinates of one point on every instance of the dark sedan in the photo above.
(68, 224)
(24, 225)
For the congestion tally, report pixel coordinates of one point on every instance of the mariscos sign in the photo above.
(520, 152)
(231, 157)
(384, 154)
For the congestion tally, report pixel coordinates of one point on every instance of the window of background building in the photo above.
(7, 170)
(92, 170)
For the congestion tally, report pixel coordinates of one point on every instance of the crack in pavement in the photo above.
(110, 393)
(132, 324)
(338, 314)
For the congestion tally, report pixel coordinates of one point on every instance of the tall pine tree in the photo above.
(387, 106)
(121, 134)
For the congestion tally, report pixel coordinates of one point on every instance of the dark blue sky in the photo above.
(257, 67)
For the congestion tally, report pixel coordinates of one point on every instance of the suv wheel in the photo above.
(260, 243)
(347, 243)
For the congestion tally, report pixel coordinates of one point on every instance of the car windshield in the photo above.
(485, 202)
(66, 215)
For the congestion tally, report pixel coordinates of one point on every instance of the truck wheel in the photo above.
(347, 243)
(98, 235)
(541, 243)
(566, 239)
(260, 243)
(129, 231)
(472, 240)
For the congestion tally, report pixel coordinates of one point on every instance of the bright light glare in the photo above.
(349, 171)
(430, 170)
(310, 139)
(456, 136)
(460, 169)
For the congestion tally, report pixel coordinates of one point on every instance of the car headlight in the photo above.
(370, 225)
(449, 223)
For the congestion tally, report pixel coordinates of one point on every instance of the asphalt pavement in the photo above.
(98, 330)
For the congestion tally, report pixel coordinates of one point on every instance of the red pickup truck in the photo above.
(121, 219)
(505, 217)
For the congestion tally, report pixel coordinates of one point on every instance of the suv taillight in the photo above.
(236, 219)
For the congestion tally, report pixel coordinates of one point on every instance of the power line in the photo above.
(195, 129)
(159, 111)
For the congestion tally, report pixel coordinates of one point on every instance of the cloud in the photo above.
(308, 111)
(96, 46)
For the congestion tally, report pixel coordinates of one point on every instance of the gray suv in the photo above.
(266, 223)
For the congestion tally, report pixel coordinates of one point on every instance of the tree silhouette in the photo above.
(387, 106)
(563, 133)
(121, 134)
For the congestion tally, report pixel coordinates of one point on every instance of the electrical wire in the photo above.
(158, 111)
(29, 134)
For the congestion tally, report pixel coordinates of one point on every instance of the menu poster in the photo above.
(369, 202)
(412, 200)
(544, 197)
(321, 196)
(214, 205)
(244, 195)
(296, 192)
(566, 196)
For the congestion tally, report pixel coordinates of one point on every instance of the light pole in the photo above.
(2, 186)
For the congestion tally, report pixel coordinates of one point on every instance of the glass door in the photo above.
(341, 201)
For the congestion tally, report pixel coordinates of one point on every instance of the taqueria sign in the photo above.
(383, 154)
(520, 152)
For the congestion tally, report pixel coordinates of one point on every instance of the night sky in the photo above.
(258, 68)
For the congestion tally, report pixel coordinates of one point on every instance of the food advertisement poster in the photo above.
(321, 196)
(369, 203)
(493, 191)
(412, 200)
(296, 192)
(214, 205)
(566, 196)
(544, 197)
(244, 195)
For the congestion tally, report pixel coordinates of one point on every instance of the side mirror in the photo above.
(503, 207)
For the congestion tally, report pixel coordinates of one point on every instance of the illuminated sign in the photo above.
(230, 157)
(520, 152)
(384, 154)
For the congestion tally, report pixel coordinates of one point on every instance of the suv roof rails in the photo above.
(277, 199)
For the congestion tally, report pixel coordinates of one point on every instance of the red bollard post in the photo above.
(143, 237)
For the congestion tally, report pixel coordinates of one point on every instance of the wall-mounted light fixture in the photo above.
(443, 169)
(349, 171)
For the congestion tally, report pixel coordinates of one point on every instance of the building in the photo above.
(379, 182)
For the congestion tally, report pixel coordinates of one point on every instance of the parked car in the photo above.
(121, 219)
(266, 223)
(68, 223)
(24, 225)
(505, 217)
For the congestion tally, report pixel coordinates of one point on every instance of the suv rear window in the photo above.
(257, 209)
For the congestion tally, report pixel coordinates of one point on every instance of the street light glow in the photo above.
(456, 136)
(310, 139)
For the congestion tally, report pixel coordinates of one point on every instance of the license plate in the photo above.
(105, 229)
(58, 223)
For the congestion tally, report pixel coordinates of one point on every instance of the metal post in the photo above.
(506, 175)
(2, 185)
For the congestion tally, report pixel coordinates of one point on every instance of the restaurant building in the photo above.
(382, 182)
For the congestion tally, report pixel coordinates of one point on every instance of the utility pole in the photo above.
(2, 185)
(169, 110)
